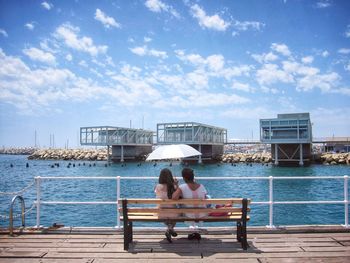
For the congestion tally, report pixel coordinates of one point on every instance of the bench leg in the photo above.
(239, 231)
(244, 241)
(242, 234)
(127, 234)
(126, 240)
(130, 231)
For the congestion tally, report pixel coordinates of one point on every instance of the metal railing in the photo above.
(23, 207)
(271, 202)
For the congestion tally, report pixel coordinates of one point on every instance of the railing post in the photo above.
(118, 198)
(346, 201)
(271, 202)
(38, 193)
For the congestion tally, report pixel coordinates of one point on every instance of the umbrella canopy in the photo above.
(173, 151)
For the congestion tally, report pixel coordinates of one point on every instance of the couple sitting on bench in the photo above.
(168, 188)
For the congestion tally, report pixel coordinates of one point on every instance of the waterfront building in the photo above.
(209, 140)
(337, 144)
(126, 143)
(290, 136)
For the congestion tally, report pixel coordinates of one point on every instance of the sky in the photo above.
(71, 64)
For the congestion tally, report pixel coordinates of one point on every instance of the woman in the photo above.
(164, 190)
(191, 190)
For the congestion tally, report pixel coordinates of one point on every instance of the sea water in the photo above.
(15, 175)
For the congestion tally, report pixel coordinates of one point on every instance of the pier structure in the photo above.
(126, 143)
(209, 140)
(290, 136)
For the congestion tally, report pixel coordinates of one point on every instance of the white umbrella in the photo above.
(173, 151)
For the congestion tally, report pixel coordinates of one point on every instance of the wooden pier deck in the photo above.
(217, 245)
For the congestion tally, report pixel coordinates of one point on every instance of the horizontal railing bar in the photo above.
(200, 178)
(79, 203)
(308, 202)
(253, 203)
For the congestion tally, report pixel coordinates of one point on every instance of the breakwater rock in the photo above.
(332, 158)
(18, 151)
(70, 154)
(246, 158)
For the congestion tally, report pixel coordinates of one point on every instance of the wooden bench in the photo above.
(148, 210)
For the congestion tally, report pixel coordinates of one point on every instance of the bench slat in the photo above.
(183, 210)
(154, 218)
(218, 201)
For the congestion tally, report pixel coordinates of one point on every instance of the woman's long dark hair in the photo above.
(166, 177)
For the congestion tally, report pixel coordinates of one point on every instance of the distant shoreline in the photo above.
(101, 155)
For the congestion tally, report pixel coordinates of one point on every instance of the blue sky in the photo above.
(68, 64)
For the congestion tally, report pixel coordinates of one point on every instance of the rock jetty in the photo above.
(246, 158)
(18, 151)
(333, 158)
(70, 154)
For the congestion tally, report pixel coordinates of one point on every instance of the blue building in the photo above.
(207, 139)
(290, 136)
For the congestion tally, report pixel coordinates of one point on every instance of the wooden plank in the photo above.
(46, 260)
(324, 249)
(342, 239)
(126, 255)
(153, 260)
(280, 255)
(296, 244)
(51, 245)
(304, 260)
(22, 254)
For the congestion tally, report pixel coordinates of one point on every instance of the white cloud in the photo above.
(83, 63)
(39, 55)
(47, 5)
(214, 22)
(147, 39)
(246, 25)
(270, 73)
(30, 26)
(215, 62)
(69, 57)
(158, 6)
(197, 79)
(214, 65)
(31, 90)
(325, 54)
(242, 87)
(347, 67)
(347, 31)
(325, 82)
(252, 112)
(307, 60)
(107, 21)
(281, 48)
(296, 68)
(264, 58)
(69, 35)
(3, 32)
(323, 4)
(344, 51)
(269, 90)
(145, 51)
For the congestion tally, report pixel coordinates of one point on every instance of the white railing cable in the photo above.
(20, 192)
(271, 202)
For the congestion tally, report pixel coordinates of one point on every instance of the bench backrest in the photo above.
(153, 205)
